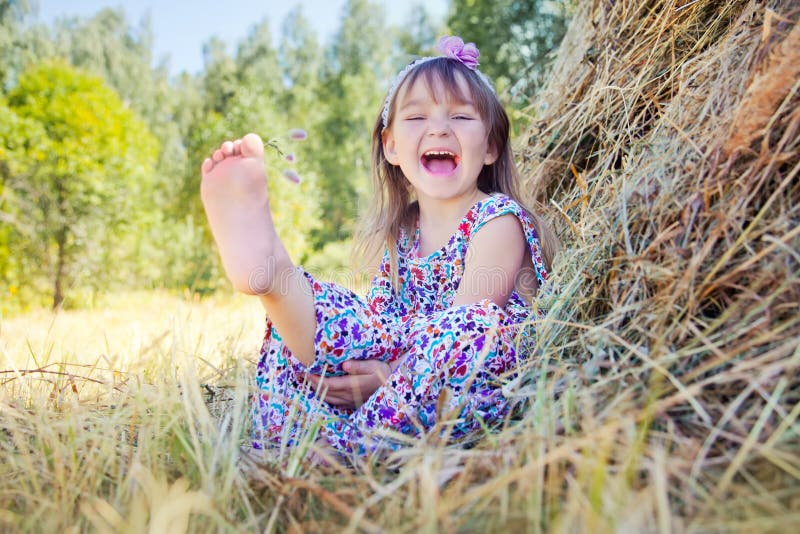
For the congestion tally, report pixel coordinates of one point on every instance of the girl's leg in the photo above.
(451, 368)
(284, 407)
(347, 328)
(234, 194)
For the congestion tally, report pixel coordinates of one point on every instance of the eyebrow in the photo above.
(410, 103)
(417, 102)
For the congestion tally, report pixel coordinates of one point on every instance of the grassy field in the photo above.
(107, 426)
(103, 408)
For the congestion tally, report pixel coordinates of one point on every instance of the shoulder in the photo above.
(497, 205)
(501, 235)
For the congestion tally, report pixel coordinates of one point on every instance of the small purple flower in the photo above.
(454, 47)
(289, 157)
(292, 176)
(298, 134)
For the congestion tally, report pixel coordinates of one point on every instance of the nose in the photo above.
(439, 126)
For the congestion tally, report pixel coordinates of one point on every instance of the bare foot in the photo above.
(234, 194)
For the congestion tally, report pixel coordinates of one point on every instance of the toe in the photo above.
(237, 147)
(218, 156)
(252, 146)
(227, 148)
(207, 165)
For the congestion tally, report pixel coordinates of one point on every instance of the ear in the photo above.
(491, 154)
(389, 150)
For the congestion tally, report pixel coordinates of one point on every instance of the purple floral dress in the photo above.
(453, 358)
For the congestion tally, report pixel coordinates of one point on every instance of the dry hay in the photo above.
(666, 145)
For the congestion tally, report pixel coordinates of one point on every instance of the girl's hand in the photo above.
(363, 378)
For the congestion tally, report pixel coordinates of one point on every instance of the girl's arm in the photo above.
(492, 265)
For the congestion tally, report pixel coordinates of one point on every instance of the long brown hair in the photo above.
(391, 207)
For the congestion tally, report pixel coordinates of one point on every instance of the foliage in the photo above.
(16, 135)
(515, 37)
(417, 36)
(350, 78)
(333, 91)
(12, 15)
(92, 159)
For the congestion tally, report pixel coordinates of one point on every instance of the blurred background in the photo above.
(108, 107)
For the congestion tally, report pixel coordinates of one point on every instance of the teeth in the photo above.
(439, 153)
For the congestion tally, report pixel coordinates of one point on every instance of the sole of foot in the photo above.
(234, 194)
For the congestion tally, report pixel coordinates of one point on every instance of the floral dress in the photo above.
(453, 358)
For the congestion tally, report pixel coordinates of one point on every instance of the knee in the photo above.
(481, 315)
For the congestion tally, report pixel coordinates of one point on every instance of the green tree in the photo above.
(92, 165)
(16, 135)
(20, 42)
(300, 60)
(417, 36)
(108, 45)
(121, 53)
(514, 37)
(219, 77)
(11, 14)
(349, 97)
(257, 60)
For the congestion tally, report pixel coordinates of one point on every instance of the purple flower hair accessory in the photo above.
(451, 47)
(454, 47)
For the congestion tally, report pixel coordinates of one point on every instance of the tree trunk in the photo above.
(58, 292)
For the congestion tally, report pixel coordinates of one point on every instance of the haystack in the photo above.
(666, 147)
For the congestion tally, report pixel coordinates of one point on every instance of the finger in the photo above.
(315, 382)
(348, 390)
(368, 367)
(359, 367)
(341, 402)
(340, 383)
(355, 384)
(315, 379)
(394, 364)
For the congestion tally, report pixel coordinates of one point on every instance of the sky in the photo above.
(180, 27)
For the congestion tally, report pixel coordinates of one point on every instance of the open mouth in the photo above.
(439, 161)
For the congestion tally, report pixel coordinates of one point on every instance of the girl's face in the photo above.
(440, 143)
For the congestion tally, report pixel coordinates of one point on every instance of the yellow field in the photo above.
(129, 329)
